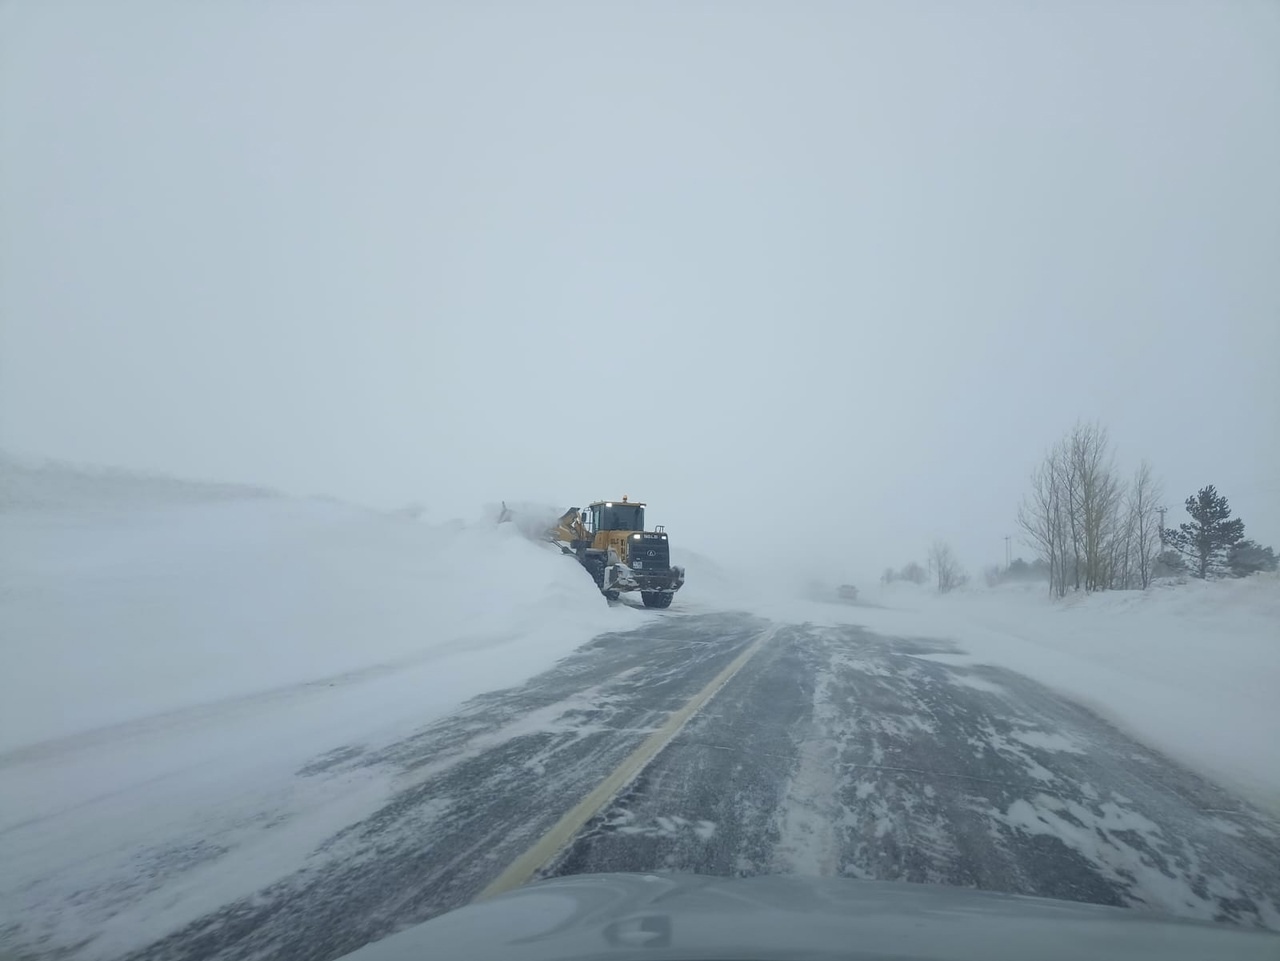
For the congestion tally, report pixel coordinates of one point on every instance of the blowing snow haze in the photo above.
(800, 276)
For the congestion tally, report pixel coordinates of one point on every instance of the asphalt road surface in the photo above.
(832, 752)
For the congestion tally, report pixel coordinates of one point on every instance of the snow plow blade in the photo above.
(619, 577)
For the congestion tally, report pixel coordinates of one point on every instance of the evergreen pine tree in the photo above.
(1249, 557)
(1210, 534)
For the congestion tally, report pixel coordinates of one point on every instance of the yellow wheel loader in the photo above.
(609, 540)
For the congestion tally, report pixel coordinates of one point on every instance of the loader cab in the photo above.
(616, 516)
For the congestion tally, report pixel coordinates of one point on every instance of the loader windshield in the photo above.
(621, 517)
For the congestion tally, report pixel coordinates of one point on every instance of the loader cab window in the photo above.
(617, 517)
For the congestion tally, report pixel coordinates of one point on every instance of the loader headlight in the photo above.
(609, 504)
(635, 537)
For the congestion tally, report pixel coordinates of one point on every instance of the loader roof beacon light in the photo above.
(609, 540)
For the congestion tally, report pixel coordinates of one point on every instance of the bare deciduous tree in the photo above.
(1095, 504)
(914, 573)
(1143, 503)
(945, 567)
(1043, 519)
(1091, 531)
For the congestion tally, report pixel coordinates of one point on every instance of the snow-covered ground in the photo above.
(116, 609)
(173, 653)
(1191, 669)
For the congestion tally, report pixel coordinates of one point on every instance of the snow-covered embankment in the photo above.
(175, 655)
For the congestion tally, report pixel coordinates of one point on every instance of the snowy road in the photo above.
(832, 752)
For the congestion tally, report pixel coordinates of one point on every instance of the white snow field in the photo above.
(173, 652)
(141, 596)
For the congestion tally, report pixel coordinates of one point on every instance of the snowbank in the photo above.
(174, 654)
(125, 597)
(1191, 669)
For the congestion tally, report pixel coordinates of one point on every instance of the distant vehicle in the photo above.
(610, 541)
(847, 592)
(645, 917)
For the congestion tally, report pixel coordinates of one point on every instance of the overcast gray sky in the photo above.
(801, 275)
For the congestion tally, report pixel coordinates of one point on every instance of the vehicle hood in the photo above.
(629, 917)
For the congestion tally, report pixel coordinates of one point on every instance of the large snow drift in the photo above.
(128, 597)
(173, 653)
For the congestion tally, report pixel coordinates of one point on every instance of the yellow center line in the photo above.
(563, 831)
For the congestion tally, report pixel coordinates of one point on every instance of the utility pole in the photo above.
(1161, 511)
(1008, 552)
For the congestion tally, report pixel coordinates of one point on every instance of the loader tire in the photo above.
(658, 599)
(613, 595)
(595, 567)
